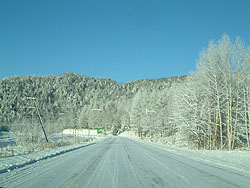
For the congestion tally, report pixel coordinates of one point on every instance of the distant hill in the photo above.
(70, 94)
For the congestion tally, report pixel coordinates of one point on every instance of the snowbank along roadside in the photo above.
(237, 161)
(10, 163)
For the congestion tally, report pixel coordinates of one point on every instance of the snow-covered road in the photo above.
(121, 162)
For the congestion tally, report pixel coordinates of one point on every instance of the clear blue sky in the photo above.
(123, 40)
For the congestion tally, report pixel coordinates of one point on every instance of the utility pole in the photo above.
(32, 124)
(39, 116)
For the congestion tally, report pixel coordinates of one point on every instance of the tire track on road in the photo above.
(131, 165)
(86, 175)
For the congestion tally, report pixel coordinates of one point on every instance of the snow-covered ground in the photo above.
(20, 160)
(6, 138)
(81, 132)
(127, 134)
(238, 161)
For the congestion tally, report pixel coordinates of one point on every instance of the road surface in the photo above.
(121, 162)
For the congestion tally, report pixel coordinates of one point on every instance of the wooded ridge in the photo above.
(66, 101)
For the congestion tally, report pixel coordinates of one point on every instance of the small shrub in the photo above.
(4, 128)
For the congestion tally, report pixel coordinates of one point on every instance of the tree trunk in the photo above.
(229, 124)
(245, 119)
(248, 112)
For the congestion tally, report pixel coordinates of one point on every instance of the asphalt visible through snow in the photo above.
(121, 162)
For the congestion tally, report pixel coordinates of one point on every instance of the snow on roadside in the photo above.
(127, 134)
(10, 163)
(237, 161)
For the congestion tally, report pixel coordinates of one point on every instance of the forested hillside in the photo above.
(70, 100)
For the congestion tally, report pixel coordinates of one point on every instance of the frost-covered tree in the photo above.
(213, 101)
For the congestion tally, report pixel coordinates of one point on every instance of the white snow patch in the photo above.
(127, 134)
(237, 161)
(10, 163)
